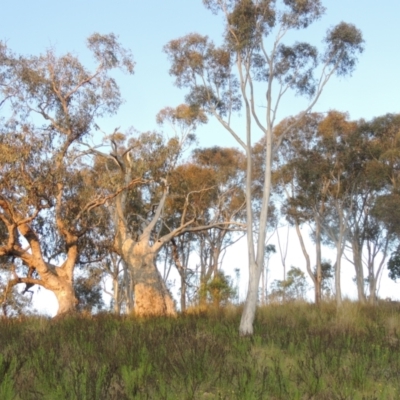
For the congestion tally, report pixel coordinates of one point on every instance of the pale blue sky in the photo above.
(29, 27)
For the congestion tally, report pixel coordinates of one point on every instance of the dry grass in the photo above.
(298, 351)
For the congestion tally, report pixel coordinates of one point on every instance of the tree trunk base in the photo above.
(67, 301)
(150, 302)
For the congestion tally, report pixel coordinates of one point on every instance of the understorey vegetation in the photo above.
(298, 351)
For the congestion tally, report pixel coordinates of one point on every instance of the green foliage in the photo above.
(88, 291)
(293, 287)
(220, 289)
(298, 351)
(394, 265)
(14, 301)
(247, 22)
(327, 272)
(344, 42)
(386, 210)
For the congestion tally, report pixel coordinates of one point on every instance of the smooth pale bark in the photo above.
(308, 263)
(318, 277)
(113, 270)
(255, 257)
(183, 292)
(66, 297)
(152, 297)
(339, 254)
(128, 289)
(372, 291)
(359, 270)
(263, 286)
(116, 296)
(250, 306)
(54, 279)
(338, 289)
(60, 281)
(372, 276)
(182, 273)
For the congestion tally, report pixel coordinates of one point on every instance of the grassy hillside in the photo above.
(297, 352)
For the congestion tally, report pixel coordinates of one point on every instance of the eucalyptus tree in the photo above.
(355, 186)
(188, 177)
(49, 195)
(214, 177)
(144, 220)
(384, 175)
(137, 164)
(345, 175)
(294, 287)
(226, 166)
(367, 166)
(266, 70)
(364, 179)
(7, 60)
(299, 178)
(336, 178)
(321, 172)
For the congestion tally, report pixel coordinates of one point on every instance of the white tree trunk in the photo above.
(250, 306)
(65, 295)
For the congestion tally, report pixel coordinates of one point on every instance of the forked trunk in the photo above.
(314, 277)
(152, 297)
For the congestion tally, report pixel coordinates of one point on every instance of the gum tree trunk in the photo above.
(65, 295)
(152, 297)
(318, 277)
(250, 305)
(317, 287)
(358, 266)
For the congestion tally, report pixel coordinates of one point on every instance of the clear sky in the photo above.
(145, 26)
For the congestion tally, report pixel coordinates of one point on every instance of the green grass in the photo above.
(298, 352)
